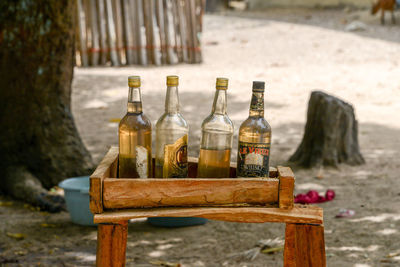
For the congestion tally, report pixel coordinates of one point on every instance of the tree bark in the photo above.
(39, 143)
(331, 134)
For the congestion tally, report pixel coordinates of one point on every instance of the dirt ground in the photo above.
(296, 52)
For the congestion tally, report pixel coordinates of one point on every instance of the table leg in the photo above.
(304, 246)
(111, 244)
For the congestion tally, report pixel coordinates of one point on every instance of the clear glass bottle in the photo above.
(171, 136)
(216, 138)
(254, 138)
(134, 137)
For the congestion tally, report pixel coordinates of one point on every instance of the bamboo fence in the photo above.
(143, 32)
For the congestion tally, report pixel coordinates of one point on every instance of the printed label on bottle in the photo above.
(257, 102)
(253, 160)
(142, 162)
(175, 159)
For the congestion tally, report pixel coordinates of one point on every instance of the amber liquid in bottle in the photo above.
(216, 138)
(171, 137)
(254, 138)
(134, 137)
(214, 163)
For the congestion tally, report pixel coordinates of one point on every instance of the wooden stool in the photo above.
(249, 200)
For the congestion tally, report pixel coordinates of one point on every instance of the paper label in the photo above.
(253, 160)
(142, 162)
(257, 102)
(175, 159)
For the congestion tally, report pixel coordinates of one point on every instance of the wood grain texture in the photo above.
(103, 168)
(96, 180)
(299, 214)
(114, 169)
(111, 244)
(304, 246)
(138, 193)
(286, 187)
(95, 195)
(290, 249)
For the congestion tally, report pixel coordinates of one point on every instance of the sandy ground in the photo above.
(296, 52)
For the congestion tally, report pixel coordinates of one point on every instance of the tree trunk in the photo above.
(39, 143)
(331, 134)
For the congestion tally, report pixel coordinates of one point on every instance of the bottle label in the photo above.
(142, 161)
(175, 159)
(253, 160)
(257, 102)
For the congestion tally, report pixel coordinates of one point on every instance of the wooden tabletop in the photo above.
(299, 214)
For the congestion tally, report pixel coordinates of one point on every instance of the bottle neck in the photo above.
(257, 105)
(172, 100)
(134, 100)
(220, 102)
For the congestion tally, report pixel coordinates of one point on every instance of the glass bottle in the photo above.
(254, 138)
(134, 137)
(216, 138)
(171, 136)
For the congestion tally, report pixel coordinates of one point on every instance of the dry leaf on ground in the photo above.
(17, 236)
(165, 263)
(48, 225)
(6, 203)
(272, 250)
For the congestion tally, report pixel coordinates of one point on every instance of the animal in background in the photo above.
(384, 5)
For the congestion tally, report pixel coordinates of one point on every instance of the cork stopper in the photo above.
(172, 80)
(258, 86)
(222, 83)
(134, 81)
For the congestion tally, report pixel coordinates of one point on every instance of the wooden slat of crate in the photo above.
(136, 193)
(106, 168)
(286, 187)
(299, 214)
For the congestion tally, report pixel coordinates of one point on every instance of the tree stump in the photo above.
(331, 134)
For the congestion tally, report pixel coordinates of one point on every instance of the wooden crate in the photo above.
(251, 200)
(109, 193)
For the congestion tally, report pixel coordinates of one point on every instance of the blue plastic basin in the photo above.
(76, 192)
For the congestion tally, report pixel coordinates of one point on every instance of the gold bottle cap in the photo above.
(222, 83)
(134, 81)
(172, 80)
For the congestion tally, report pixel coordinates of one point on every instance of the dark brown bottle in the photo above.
(254, 138)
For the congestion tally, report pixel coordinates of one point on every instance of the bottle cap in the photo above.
(258, 86)
(134, 81)
(222, 83)
(172, 80)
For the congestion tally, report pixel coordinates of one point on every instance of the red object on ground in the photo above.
(313, 197)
